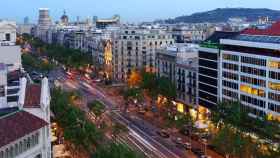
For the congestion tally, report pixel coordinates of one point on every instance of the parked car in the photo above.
(197, 151)
(177, 140)
(163, 134)
(187, 146)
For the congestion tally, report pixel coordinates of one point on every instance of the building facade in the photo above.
(135, 49)
(246, 70)
(179, 64)
(25, 128)
(44, 24)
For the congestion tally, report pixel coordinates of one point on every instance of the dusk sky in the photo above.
(129, 10)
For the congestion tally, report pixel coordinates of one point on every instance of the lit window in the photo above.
(274, 64)
(250, 90)
(180, 107)
(274, 86)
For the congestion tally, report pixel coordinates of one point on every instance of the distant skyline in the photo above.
(129, 10)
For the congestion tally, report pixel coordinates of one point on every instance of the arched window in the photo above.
(1, 154)
(20, 147)
(16, 150)
(24, 145)
(7, 153)
(33, 141)
(28, 143)
(11, 152)
(37, 138)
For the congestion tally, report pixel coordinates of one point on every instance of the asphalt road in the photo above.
(142, 135)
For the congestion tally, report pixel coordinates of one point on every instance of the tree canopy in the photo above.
(114, 150)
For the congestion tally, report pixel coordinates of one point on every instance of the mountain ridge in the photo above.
(223, 14)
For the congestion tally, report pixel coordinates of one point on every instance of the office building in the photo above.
(243, 67)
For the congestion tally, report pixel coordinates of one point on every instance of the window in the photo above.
(230, 57)
(28, 144)
(8, 37)
(11, 152)
(254, 61)
(253, 81)
(274, 75)
(230, 75)
(20, 147)
(208, 72)
(253, 101)
(230, 84)
(206, 55)
(274, 64)
(2, 91)
(16, 150)
(230, 94)
(208, 64)
(274, 86)
(274, 96)
(253, 71)
(229, 66)
(37, 138)
(274, 107)
(253, 91)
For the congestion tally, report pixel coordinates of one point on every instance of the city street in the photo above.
(142, 135)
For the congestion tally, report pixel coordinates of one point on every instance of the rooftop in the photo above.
(217, 35)
(273, 30)
(16, 125)
(32, 96)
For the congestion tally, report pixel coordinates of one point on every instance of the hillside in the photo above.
(223, 14)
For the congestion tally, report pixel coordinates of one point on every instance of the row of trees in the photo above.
(77, 129)
(235, 127)
(31, 62)
(83, 133)
(113, 150)
(70, 57)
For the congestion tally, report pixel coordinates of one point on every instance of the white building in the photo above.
(24, 108)
(244, 67)
(25, 129)
(9, 52)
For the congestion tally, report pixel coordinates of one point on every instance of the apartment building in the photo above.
(179, 64)
(245, 68)
(135, 48)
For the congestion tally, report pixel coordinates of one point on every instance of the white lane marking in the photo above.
(146, 143)
(170, 152)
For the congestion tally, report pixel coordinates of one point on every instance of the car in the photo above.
(185, 132)
(163, 134)
(197, 151)
(96, 80)
(187, 145)
(177, 140)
